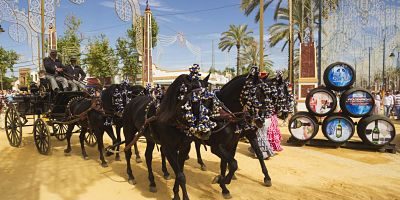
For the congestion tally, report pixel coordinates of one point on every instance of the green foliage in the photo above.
(101, 60)
(237, 36)
(251, 57)
(249, 6)
(127, 52)
(69, 44)
(7, 82)
(7, 60)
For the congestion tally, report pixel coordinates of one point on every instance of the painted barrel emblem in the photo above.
(339, 76)
(321, 102)
(303, 126)
(338, 129)
(357, 102)
(376, 130)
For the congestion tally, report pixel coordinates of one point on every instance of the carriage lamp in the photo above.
(1, 29)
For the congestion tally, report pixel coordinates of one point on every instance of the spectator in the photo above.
(387, 104)
(397, 105)
(377, 106)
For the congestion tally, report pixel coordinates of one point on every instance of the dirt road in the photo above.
(297, 173)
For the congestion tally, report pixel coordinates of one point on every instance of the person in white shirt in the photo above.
(387, 104)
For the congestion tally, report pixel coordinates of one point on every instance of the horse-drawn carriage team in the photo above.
(186, 112)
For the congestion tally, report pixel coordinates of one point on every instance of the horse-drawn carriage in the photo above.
(48, 111)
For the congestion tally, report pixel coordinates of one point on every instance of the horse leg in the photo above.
(221, 178)
(110, 132)
(180, 180)
(118, 130)
(100, 146)
(164, 165)
(138, 159)
(199, 159)
(149, 158)
(67, 151)
(131, 178)
(82, 141)
(254, 144)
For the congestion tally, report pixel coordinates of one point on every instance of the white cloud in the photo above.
(165, 19)
(158, 6)
(188, 18)
(107, 4)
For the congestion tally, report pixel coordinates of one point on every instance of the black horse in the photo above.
(82, 112)
(92, 117)
(162, 126)
(114, 99)
(224, 141)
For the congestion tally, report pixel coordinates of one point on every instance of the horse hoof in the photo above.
(104, 165)
(117, 159)
(267, 183)
(132, 181)
(234, 177)
(203, 168)
(216, 179)
(138, 160)
(167, 177)
(227, 196)
(67, 153)
(153, 189)
(85, 157)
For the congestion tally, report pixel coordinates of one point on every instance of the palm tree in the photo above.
(248, 6)
(251, 54)
(237, 36)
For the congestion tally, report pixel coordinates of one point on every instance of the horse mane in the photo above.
(233, 81)
(169, 103)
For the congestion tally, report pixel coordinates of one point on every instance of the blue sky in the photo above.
(173, 16)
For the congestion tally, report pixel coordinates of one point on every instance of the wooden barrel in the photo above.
(376, 130)
(338, 128)
(339, 76)
(321, 102)
(303, 126)
(357, 102)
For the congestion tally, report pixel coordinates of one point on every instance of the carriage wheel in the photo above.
(13, 127)
(41, 135)
(90, 138)
(60, 131)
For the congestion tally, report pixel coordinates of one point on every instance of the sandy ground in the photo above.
(297, 173)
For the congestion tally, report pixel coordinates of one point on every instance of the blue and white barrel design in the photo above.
(339, 76)
(337, 128)
(357, 102)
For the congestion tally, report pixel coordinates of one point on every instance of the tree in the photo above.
(237, 36)
(70, 43)
(250, 57)
(248, 6)
(101, 60)
(127, 52)
(7, 60)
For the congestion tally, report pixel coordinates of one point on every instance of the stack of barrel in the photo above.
(338, 125)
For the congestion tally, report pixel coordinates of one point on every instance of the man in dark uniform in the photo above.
(54, 69)
(75, 74)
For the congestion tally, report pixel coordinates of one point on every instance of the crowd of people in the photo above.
(390, 104)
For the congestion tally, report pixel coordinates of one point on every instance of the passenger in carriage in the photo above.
(54, 71)
(76, 74)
